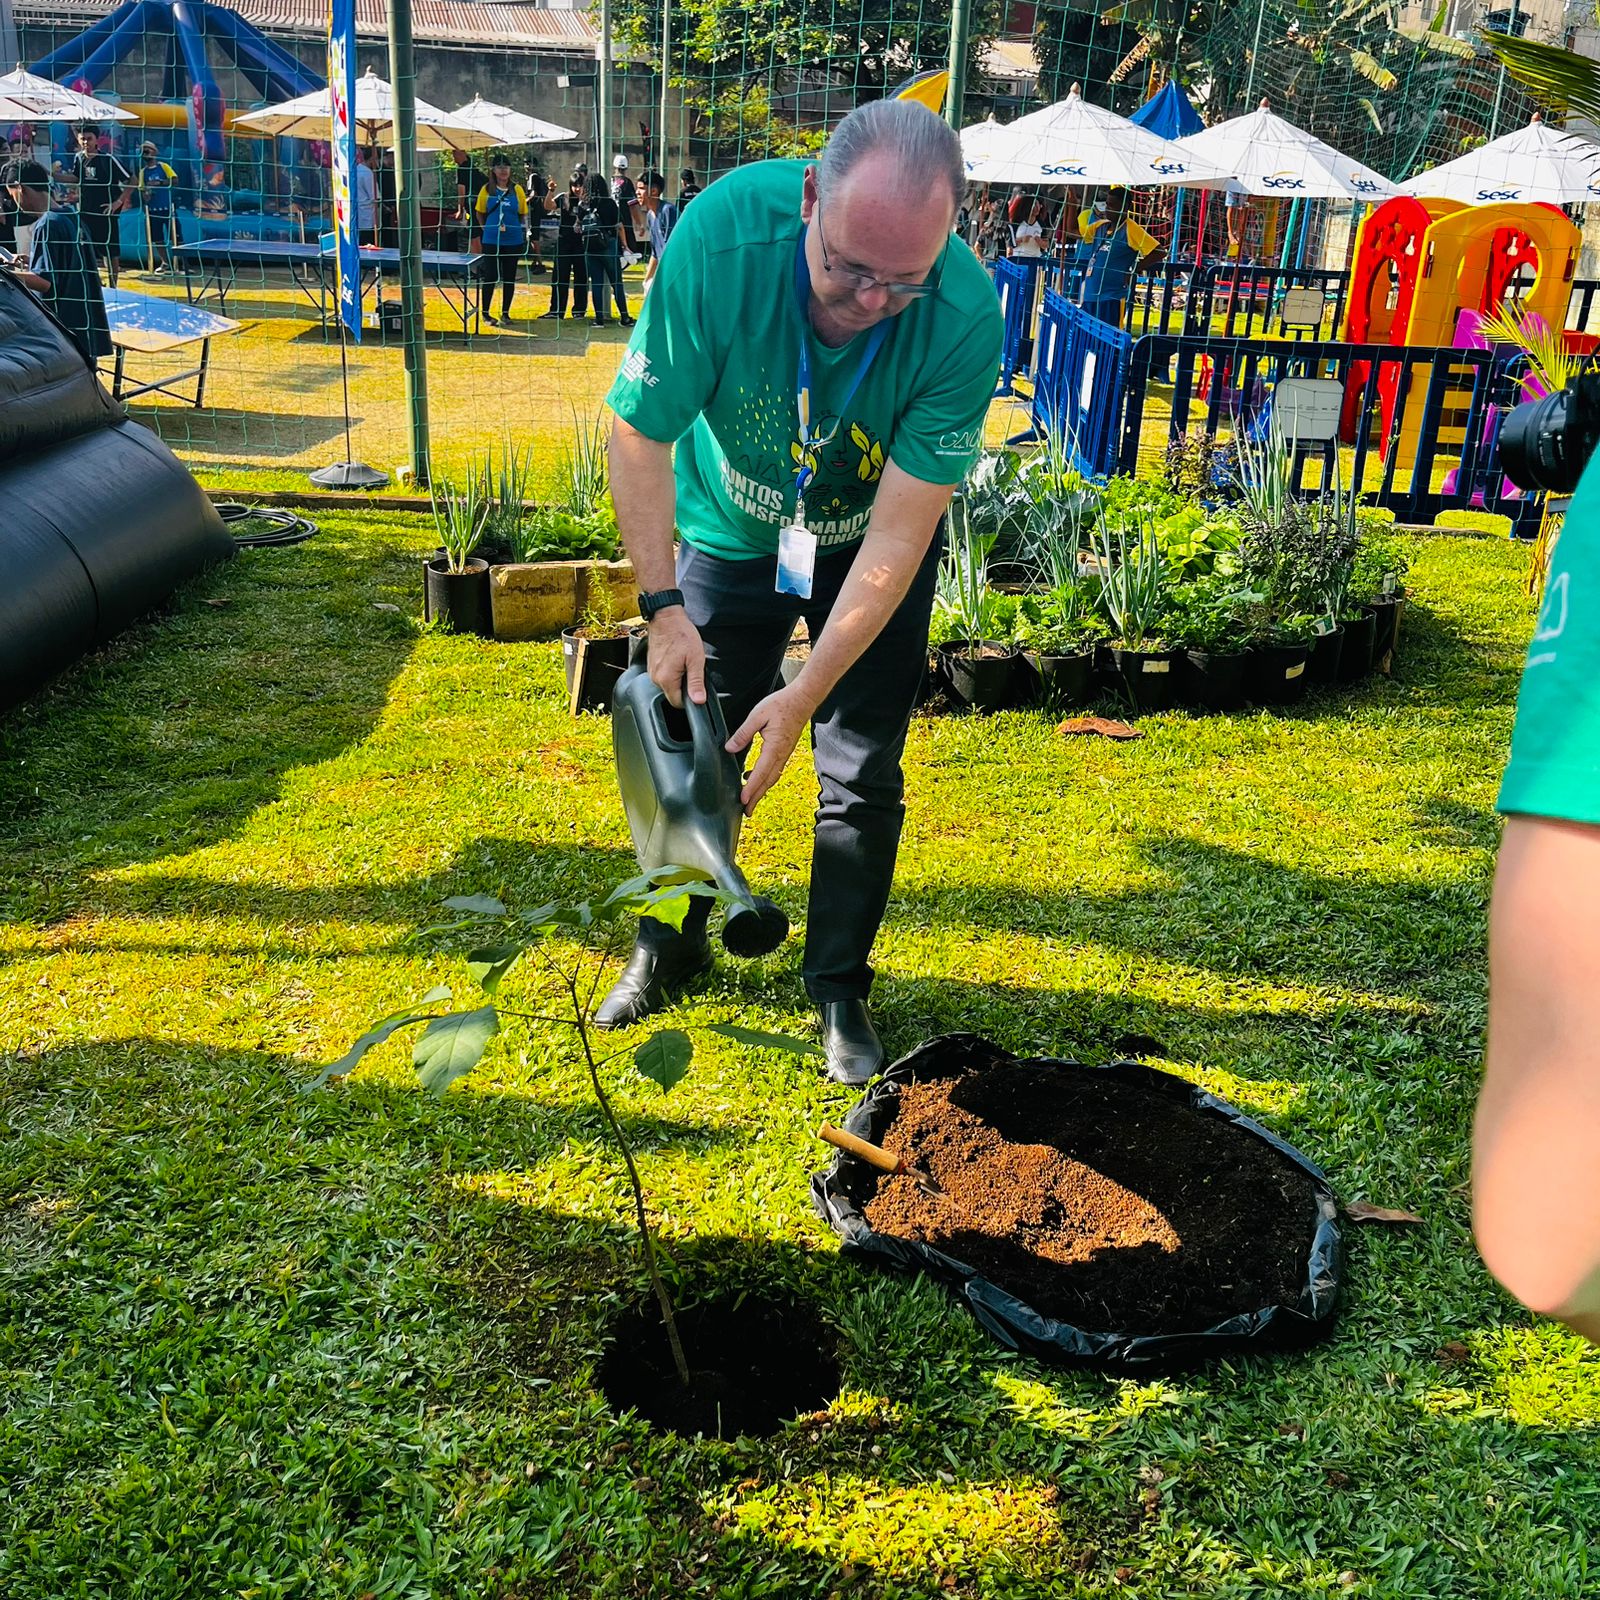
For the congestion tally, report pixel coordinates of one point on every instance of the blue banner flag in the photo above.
(341, 102)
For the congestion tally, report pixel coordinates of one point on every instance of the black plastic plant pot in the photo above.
(934, 680)
(980, 672)
(1355, 658)
(593, 667)
(1290, 1306)
(1322, 665)
(1214, 680)
(1280, 674)
(1147, 678)
(460, 600)
(1060, 680)
(1386, 632)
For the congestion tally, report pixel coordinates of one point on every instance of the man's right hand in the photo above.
(677, 656)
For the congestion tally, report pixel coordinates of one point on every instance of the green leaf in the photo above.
(376, 1034)
(664, 1057)
(452, 1046)
(490, 964)
(1561, 80)
(670, 906)
(483, 905)
(757, 1040)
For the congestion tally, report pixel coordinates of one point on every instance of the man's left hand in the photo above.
(779, 719)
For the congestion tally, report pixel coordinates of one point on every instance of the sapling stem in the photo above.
(668, 1318)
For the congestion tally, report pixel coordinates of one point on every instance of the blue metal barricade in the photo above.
(1017, 283)
(1080, 377)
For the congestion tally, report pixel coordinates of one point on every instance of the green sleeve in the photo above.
(1555, 745)
(670, 371)
(940, 434)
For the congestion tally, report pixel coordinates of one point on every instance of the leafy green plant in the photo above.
(1036, 507)
(573, 945)
(964, 604)
(585, 468)
(1378, 570)
(505, 476)
(460, 515)
(548, 534)
(1212, 614)
(1133, 583)
(1059, 622)
(1123, 498)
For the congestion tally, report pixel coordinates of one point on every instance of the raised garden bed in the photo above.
(1113, 1216)
(539, 599)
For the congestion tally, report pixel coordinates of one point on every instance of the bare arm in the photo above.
(31, 280)
(1536, 1202)
(904, 517)
(646, 497)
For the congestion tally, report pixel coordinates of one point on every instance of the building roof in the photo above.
(508, 24)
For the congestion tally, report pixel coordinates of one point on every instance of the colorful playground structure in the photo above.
(1425, 272)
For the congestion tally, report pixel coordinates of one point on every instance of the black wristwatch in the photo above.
(650, 604)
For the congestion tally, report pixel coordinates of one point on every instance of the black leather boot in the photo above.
(650, 982)
(849, 1041)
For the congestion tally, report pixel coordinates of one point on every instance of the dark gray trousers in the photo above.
(857, 736)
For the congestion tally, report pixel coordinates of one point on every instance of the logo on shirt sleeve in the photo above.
(961, 441)
(636, 369)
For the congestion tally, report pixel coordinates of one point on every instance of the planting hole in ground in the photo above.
(1098, 1200)
(755, 1362)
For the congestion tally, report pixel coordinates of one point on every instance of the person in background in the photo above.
(469, 180)
(364, 187)
(994, 233)
(539, 193)
(156, 181)
(502, 215)
(1117, 245)
(661, 217)
(688, 187)
(102, 183)
(626, 195)
(1240, 213)
(601, 230)
(388, 199)
(570, 267)
(1535, 1199)
(9, 214)
(1018, 207)
(60, 267)
(1027, 242)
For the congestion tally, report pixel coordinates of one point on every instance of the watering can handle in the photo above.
(706, 729)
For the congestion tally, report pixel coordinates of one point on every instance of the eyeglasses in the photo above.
(856, 282)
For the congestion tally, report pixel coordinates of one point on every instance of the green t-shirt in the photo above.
(713, 362)
(1555, 745)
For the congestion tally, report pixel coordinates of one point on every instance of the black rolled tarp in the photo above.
(99, 521)
(842, 1192)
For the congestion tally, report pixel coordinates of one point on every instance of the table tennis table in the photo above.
(312, 270)
(149, 325)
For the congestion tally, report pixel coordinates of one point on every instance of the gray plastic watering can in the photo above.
(680, 789)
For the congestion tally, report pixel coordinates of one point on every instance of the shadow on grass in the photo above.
(1232, 913)
(184, 726)
(263, 434)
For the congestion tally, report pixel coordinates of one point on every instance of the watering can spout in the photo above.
(680, 790)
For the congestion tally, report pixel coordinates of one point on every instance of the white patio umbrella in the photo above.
(1272, 157)
(978, 140)
(310, 116)
(1534, 163)
(26, 97)
(1079, 143)
(504, 126)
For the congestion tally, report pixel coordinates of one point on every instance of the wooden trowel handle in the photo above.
(875, 1154)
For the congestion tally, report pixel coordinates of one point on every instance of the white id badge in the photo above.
(797, 560)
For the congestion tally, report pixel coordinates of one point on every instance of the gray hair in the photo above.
(924, 147)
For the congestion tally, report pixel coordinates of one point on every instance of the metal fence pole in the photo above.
(956, 95)
(402, 75)
(666, 61)
(602, 93)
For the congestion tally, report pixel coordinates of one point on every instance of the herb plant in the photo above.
(460, 515)
(1133, 583)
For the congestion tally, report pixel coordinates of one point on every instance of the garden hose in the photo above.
(263, 527)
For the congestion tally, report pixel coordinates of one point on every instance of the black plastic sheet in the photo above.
(842, 1192)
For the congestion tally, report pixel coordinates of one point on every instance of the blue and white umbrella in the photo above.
(1534, 163)
(1273, 158)
(1074, 142)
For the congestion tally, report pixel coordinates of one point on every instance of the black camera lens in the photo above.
(1546, 443)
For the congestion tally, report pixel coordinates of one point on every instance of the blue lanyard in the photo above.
(808, 441)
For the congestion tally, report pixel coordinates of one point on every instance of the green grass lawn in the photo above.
(261, 1343)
